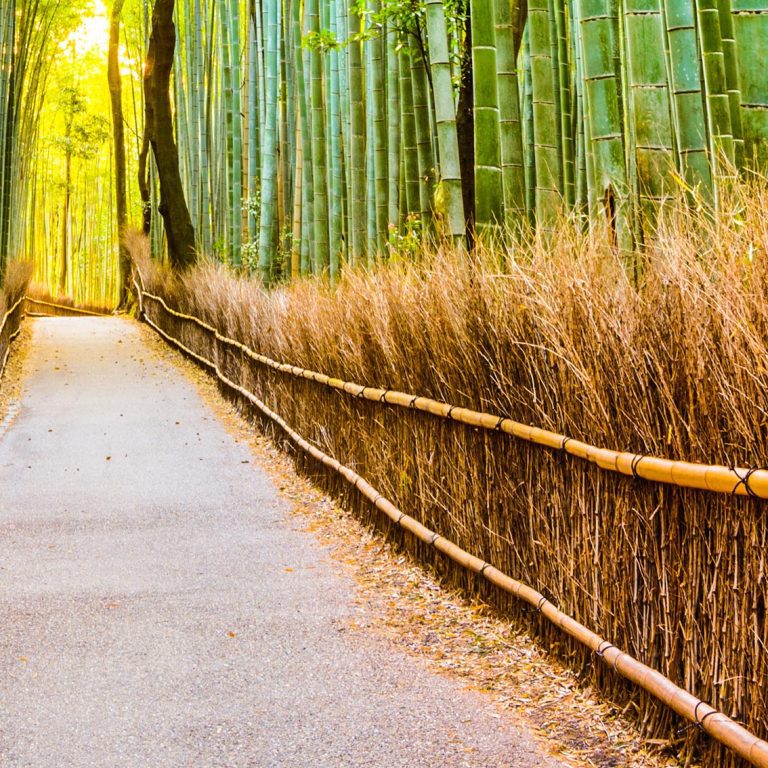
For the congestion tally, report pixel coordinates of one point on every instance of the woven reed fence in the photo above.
(636, 561)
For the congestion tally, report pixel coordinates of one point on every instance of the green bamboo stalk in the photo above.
(608, 189)
(422, 119)
(236, 162)
(730, 62)
(370, 167)
(301, 61)
(204, 78)
(342, 26)
(580, 169)
(254, 156)
(334, 150)
(320, 243)
(445, 119)
(357, 134)
(751, 33)
(565, 100)
(715, 86)
(649, 103)
(393, 130)
(688, 107)
(269, 188)
(410, 153)
(378, 77)
(508, 37)
(489, 195)
(528, 140)
(547, 139)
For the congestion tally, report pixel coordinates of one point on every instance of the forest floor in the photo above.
(176, 595)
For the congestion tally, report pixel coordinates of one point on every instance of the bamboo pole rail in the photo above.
(717, 724)
(739, 481)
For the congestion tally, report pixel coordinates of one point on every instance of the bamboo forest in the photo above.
(322, 134)
(383, 383)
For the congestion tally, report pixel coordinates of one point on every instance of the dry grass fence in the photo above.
(558, 338)
(11, 307)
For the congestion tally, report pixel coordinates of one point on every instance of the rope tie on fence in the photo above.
(603, 647)
(635, 462)
(724, 729)
(744, 480)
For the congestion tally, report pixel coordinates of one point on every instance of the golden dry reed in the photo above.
(553, 333)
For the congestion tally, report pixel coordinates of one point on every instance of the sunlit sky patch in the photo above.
(93, 33)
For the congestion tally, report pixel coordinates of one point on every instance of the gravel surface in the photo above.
(160, 608)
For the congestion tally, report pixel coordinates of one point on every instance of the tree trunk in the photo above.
(116, 99)
(159, 131)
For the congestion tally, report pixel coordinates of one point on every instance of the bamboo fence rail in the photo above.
(718, 725)
(740, 481)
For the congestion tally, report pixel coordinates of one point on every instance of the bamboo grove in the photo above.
(324, 133)
(56, 179)
(321, 133)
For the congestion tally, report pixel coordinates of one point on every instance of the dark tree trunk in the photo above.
(465, 128)
(116, 98)
(146, 196)
(159, 131)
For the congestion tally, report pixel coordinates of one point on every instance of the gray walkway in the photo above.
(146, 614)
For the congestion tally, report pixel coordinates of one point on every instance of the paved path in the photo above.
(146, 614)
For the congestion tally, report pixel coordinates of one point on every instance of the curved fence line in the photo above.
(740, 481)
(7, 353)
(715, 723)
(42, 303)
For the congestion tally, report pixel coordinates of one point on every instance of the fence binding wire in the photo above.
(698, 712)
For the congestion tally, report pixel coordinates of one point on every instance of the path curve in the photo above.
(158, 608)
